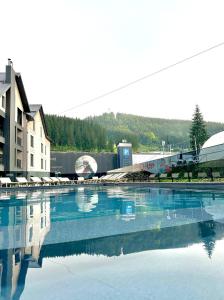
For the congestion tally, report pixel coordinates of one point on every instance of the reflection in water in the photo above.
(100, 221)
(86, 202)
(23, 229)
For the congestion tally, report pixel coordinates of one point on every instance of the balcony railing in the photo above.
(19, 163)
(19, 141)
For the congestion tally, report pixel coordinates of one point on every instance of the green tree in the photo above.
(198, 131)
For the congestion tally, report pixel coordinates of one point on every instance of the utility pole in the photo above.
(196, 148)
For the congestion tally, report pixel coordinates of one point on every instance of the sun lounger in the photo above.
(55, 180)
(163, 176)
(188, 175)
(174, 176)
(6, 182)
(152, 176)
(113, 177)
(47, 180)
(80, 179)
(202, 175)
(95, 178)
(216, 175)
(36, 180)
(106, 177)
(64, 180)
(121, 176)
(22, 181)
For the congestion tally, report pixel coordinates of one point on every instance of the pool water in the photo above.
(112, 243)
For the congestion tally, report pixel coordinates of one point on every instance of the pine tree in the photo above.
(198, 131)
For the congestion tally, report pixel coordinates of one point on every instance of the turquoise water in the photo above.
(112, 243)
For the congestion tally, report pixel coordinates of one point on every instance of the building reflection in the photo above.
(23, 228)
(39, 225)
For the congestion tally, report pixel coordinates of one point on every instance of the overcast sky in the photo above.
(69, 51)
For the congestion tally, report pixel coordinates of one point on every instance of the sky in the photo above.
(70, 51)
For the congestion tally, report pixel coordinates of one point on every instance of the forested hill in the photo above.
(102, 132)
(75, 134)
(148, 133)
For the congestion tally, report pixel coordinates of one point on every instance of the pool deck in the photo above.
(166, 185)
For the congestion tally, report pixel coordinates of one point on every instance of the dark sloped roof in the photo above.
(22, 92)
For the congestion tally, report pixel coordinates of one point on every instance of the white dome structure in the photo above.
(214, 140)
(213, 148)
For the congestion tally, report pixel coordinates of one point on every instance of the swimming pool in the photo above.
(112, 243)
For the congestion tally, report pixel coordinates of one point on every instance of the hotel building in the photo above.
(24, 141)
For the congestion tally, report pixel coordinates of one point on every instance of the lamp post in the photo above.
(196, 148)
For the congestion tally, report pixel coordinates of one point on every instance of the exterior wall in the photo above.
(212, 156)
(14, 150)
(67, 163)
(15, 134)
(36, 130)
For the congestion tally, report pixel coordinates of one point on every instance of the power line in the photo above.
(145, 77)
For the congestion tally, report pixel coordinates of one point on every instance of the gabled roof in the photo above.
(21, 89)
(34, 108)
(3, 88)
(22, 92)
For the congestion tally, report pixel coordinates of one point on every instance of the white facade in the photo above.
(38, 146)
(213, 148)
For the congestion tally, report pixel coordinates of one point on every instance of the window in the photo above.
(30, 234)
(33, 125)
(42, 222)
(45, 150)
(31, 160)
(42, 163)
(31, 211)
(19, 116)
(45, 165)
(31, 141)
(3, 101)
(15, 134)
(15, 153)
(42, 148)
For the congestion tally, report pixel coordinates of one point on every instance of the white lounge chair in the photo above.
(22, 181)
(55, 180)
(47, 180)
(64, 180)
(5, 181)
(80, 179)
(36, 180)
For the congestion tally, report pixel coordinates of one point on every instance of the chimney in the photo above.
(9, 72)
